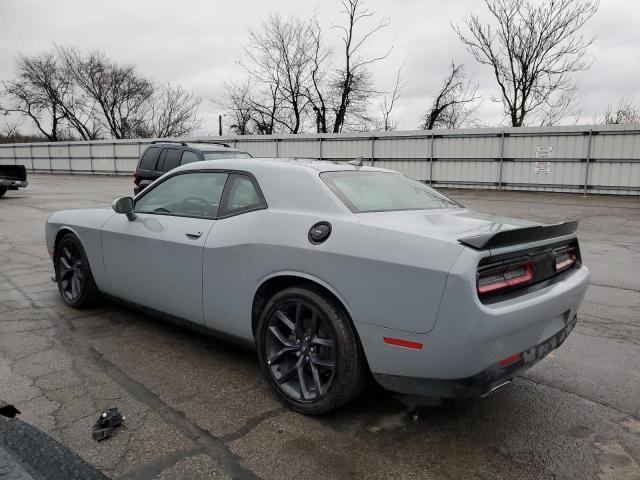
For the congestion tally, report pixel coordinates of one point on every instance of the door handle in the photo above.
(194, 233)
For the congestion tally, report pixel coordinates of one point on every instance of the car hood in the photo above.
(447, 225)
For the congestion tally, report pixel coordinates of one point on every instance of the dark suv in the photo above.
(163, 155)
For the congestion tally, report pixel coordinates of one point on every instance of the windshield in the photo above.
(223, 154)
(363, 191)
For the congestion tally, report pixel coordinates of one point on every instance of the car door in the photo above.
(156, 259)
(229, 276)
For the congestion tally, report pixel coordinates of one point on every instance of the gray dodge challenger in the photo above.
(333, 272)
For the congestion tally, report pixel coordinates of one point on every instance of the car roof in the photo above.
(278, 163)
(204, 147)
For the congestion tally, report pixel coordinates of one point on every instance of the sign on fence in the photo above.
(544, 152)
(542, 167)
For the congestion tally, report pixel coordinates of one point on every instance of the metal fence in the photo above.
(603, 159)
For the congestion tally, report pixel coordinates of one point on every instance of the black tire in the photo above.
(73, 273)
(3, 190)
(319, 342)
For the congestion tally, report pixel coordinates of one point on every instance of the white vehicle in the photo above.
(331, 271)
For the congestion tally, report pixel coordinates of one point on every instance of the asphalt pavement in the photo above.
(198, 408)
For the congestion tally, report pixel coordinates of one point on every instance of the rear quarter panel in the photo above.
(382, 277)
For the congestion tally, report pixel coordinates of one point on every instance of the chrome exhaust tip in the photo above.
(496, 388)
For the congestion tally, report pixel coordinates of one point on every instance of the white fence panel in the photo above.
(603, 159)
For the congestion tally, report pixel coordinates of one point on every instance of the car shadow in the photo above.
(379, 410)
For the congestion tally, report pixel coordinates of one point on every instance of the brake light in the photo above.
(504, 277)
(565, 259)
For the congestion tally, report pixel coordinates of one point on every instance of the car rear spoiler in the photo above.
(519, 235)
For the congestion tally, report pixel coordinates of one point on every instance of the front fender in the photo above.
(87, 225)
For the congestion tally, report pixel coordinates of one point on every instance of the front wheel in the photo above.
(3, 190)
(73, 273)
(309, 351)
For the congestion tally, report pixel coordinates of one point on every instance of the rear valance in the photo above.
(519, 235)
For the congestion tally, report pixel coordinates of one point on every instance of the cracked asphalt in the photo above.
(198, 408)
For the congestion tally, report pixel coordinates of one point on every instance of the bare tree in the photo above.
(353, 80)
(119, 92)
(294, 83)
(238, 106)
(10, 130)
(389, 100)
(279, 57)
(68, 94)
(532, 48)
(45, 92)
(317, 93)
(454, 103)
(624, 114)
(36, 93)
(169, 112)
(11, 127)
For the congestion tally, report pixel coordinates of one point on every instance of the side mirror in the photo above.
(124, 205)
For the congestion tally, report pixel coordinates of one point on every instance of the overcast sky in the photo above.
(198, 44)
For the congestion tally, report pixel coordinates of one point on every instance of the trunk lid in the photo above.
(447, 224)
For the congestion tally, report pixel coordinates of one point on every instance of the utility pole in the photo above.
(219, 125)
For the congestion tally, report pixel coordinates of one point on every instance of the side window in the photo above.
(190, 194)
(241, 194)
(171, 159)
(188, 157)
(150, 158)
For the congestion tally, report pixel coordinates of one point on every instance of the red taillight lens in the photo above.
(504, 277)
(565, 259)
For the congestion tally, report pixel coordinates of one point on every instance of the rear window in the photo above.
(242, 194)
(223, 154)
(363, 191)
(150, 158)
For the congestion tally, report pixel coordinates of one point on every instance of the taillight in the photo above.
(564, 258)
(504, 277)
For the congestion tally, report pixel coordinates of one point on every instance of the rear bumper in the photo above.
(458, 357)
(481, 384)
(13, 184)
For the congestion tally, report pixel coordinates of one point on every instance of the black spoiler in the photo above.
(519, 235)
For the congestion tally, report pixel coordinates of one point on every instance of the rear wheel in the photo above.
(309, 351)
(73, 273)
(3, 190)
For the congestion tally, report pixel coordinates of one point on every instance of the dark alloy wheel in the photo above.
(300, 348)
(73, 273)
(309, 350)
